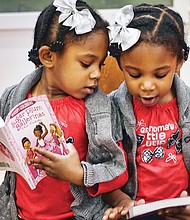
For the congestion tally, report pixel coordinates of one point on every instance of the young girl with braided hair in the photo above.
(154, 103)
(70, 46)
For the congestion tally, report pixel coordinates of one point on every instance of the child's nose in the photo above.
(148, 85)
(96, 74)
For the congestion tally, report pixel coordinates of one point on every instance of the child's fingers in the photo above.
(51, 174)
(43, 161)
(184, 194)
(38, 166)
(38, 160)
(126, 207)
(106, 214)
(45, 153)
(125, 210)
(46, 166)
(140, 202)
(112, 213)
(71, 149)
(174, 210)
(51, 156)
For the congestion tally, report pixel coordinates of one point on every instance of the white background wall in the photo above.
(16, 38)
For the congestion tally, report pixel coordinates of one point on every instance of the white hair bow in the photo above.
(82, 21)
(119, 33)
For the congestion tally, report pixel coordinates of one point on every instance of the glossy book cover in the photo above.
(32, 123)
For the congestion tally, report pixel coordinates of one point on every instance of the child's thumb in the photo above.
(71, 148)
(184, 194)
(140, 202)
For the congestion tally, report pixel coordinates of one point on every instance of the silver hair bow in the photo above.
(82, 21)
(119, 33)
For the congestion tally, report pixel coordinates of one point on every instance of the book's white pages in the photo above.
(154, 206)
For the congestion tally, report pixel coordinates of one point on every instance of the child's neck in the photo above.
(42, 88)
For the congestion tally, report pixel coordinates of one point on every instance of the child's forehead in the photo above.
(73, 38)
(148, 56)
(93, 44)
(148, 47)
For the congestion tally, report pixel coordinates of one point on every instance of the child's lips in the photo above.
(90, 89)
(148, 101)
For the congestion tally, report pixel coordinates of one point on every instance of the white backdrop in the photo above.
(16, 38)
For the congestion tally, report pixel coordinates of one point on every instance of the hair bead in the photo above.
(56, 46)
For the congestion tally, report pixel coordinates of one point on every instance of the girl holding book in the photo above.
(148, 43)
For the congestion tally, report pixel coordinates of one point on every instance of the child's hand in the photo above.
(64, 167)
(120, 210)
(176, 213)
(180, 213)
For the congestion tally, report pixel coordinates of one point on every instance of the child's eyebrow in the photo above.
(157, 69)
(163, 67)
(93, 56)
(89, 55)
(131, 67)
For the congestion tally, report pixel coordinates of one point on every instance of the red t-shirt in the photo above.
(161, 170)
(52, 198)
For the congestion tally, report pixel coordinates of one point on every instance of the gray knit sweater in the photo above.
(105, 160)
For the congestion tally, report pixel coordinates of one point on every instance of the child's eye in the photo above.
(159, 76)
(85, 65)
(134, 75)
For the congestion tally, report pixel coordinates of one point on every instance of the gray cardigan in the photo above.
(123, 102)
(105, 160)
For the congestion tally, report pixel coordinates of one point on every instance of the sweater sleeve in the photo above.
(108, 186)
(105, 160)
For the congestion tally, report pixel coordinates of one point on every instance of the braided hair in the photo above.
(49, 32)
(160, 26)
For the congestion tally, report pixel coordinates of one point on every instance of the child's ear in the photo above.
(46, 56)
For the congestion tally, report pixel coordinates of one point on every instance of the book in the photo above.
(151, 207)
(32, 123)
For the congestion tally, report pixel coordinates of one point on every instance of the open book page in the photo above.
(7, 155)
(154, 206)
(13, 160)
(32, 123)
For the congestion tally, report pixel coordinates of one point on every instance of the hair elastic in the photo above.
(34, 56)
(186, 53)
(56, 46)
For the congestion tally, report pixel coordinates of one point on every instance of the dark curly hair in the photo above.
(159, 25)
(49, 32)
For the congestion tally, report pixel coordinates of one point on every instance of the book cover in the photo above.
(155, 206)
(31, 123)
